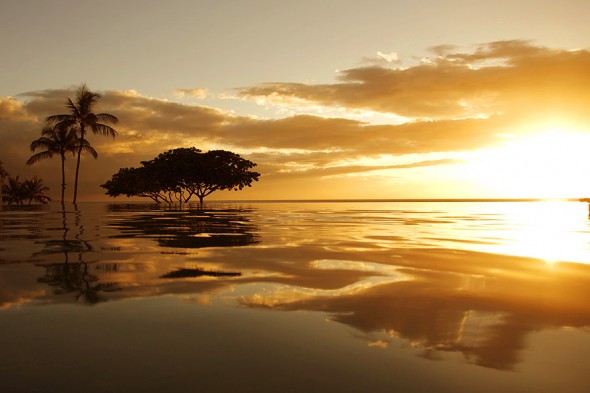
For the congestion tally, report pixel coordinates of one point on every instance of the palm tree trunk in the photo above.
(78, 163)
(76, 178)
(63, 177)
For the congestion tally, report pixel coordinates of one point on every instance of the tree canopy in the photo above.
(177, 175)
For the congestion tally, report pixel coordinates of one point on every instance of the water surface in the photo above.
(266, 297)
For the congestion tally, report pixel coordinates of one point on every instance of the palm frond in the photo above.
(55, 119)
(46, 131)
(86, 99)
(103, 129)
(39, 156)
(89, 149)
(107, 118)
(73, 107)
(62, 126)
(44, 142)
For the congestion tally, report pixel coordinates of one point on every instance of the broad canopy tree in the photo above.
(177, 175)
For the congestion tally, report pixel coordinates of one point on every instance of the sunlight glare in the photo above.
(551, 164)
(552, 231)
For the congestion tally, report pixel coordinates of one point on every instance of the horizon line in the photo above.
(360, 200)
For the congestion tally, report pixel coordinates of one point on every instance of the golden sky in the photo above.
(332, 99)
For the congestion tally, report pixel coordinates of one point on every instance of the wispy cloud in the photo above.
(197, 92)
(349, 170)
(389, 57)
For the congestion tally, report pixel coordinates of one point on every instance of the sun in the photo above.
(552, 163)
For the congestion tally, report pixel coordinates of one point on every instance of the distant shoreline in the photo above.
(401, 200)
(377, 200)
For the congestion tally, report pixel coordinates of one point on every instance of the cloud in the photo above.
(389, 57)
(197, 92)
(313, 145)
(345, 170)
(497, 77)
(446, 299)
(354, 138)
(13, 110)
(457, 101)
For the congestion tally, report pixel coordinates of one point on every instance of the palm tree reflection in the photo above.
(74, 274)
(72, 277)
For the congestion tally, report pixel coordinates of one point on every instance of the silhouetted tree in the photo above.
(82, 116)
(179, 174)
(34, 190)
(142, 182)
(14, 191)
(60, 139)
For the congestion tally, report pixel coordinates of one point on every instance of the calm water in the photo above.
(296, 297)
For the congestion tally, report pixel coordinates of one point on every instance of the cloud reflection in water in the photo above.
(368, 269)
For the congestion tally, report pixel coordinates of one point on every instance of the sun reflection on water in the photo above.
(552, 231)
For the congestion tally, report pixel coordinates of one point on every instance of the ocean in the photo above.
(296, 296)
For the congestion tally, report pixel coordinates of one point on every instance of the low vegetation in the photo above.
(30, 190)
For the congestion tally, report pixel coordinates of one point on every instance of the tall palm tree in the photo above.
(60, 139)
(34, 190)
(3, 175)
(82, 115)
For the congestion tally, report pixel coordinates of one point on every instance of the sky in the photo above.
(331, 99)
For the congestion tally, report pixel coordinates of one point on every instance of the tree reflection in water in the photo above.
(72, 277)
(185, 273)
(186, 229)
(191, 228)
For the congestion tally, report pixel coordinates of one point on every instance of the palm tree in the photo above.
(82, 115)
(34, 190)
(3, 175)
(15, 192)
(60, 139)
